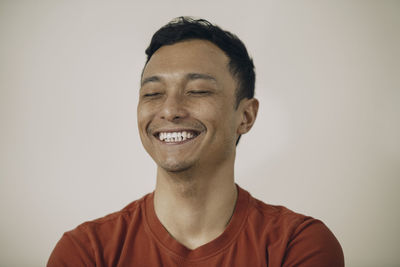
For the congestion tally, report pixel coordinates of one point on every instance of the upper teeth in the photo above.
(175, 136)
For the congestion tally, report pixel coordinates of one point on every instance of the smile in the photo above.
(176, 137)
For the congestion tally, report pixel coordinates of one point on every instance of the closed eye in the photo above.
(151, 94)
(200, 92)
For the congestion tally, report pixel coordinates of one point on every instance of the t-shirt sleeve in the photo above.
(73, 249)
(313, 244)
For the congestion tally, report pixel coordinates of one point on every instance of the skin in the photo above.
(188, 86)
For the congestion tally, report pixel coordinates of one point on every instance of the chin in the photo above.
(175, 167)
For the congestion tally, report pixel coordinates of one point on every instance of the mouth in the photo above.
(176, 136)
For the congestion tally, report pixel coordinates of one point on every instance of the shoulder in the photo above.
(129, 212)
(80, 246)
(107, 225)
(276, 216)
(306, 241)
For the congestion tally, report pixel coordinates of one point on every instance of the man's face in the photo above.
(186, 111)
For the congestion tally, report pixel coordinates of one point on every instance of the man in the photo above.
(196, 100)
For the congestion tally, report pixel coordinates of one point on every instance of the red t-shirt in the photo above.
(257, 235)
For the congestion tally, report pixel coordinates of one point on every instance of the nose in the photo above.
(173, 108)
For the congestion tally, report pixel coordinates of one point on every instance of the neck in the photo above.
(195, 207)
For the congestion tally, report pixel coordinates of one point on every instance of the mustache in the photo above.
(156, 127)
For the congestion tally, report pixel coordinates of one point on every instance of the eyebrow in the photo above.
(189, 77)
(151, 79)
(202, 76)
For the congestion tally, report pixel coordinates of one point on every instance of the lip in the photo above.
(157, 132)
(196, 133)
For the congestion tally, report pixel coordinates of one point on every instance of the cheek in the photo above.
(220, 117)
(143, 114)
(143, 120)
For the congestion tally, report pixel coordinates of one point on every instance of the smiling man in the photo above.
(196, 100)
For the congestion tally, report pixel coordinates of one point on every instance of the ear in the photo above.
(248, 109)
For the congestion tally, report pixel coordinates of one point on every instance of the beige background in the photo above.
(326, 142)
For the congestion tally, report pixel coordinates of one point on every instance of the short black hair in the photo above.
(187, 28)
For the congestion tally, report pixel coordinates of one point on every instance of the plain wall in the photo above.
(325, 143)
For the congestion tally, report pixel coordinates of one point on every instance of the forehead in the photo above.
(188, 56)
